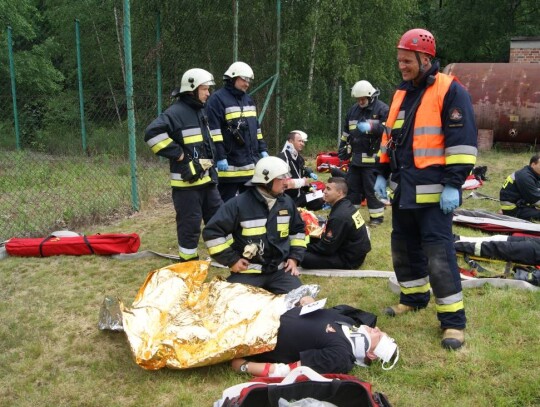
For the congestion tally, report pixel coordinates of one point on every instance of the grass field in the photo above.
(52, 353)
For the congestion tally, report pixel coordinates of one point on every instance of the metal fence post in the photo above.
(158, 62)
(13, 88)
(79, 78)
(339, 115)
(130, 106)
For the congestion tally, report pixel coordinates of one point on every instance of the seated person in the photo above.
(520, 193)
(325, 340)
(259, 234)
(345, 242)
(299, 184)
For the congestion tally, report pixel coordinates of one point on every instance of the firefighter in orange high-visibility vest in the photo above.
(429, 148)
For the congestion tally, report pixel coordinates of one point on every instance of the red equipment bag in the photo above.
(54, 245)
(326, 159)
(339, 389)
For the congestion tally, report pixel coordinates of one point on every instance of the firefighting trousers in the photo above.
(424, 257)
(525, 212)
(229, 190)
(361, 183)
(278, 282)
(192, 207)
(329, 261)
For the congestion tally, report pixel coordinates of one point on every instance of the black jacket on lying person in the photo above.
(344, 243)
(317, 339)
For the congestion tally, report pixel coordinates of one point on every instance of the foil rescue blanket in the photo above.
(178, 321)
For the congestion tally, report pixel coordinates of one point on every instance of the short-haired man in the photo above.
(345, 241)
(259, 234)
(520, 193)
(299, 183)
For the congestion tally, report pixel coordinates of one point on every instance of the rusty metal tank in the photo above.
(506, 98)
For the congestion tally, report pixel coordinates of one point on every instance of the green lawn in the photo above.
(52, 353)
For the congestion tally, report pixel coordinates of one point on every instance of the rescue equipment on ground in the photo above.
(313, 227)
(493, 222)
(72, 244)
(303, 387)
(326, 160)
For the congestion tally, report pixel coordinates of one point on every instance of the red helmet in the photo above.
(418, 40)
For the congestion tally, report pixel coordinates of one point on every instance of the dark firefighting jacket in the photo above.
(278, 233)
(345, 234)
(521, 188)
(236, 132)
(364, 147)
(439, 147)
(183, 129)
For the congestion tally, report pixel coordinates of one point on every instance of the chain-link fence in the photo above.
(64, 148)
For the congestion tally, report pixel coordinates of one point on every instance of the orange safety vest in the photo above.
(428, 137)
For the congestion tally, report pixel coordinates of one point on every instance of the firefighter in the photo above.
(235, 130)
(181, 134)
(360, 142)
(429, 147)
(520, 193)
(259, 234)
(345, 242)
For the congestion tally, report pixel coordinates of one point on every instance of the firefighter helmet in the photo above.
(363, 89)
(241, 69)
(193, 78)
(268, 169)
(418, 40)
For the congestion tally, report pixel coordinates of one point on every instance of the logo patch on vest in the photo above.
(283, 212)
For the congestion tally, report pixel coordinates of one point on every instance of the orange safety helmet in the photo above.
(418, 40)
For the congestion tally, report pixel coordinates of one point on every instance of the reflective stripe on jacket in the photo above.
(236, 132)
(180, 129)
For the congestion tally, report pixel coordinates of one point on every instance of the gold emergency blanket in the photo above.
(178, 321)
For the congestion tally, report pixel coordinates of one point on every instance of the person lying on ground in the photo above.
(326, 340)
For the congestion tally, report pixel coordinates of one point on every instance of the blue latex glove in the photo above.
(364, 127)
(313, 176)
(264, 154)
(380, 187)
(449, 199)
(222, 165)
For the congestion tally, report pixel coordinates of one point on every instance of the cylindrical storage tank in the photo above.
(506, 98)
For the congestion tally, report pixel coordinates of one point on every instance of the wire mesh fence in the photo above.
(64, 142)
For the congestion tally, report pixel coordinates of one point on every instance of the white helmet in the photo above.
(193, 78)
(303, 135)
(268, 169)
(239, 69)
(364, 89)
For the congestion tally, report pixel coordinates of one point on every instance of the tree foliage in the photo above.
(324, 46)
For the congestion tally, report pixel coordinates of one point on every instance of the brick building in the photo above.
(525, 50)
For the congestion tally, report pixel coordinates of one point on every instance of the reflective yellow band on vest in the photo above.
(298, 242)
(193, 139)
(184, 184)
(161, 145)
(428, 198)
(217, 138)
(254, 231)
(232, 174)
